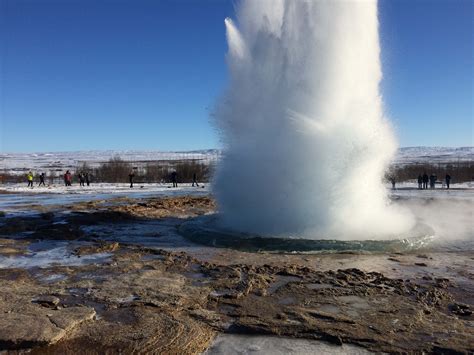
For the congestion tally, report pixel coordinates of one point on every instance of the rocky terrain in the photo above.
(118, 295)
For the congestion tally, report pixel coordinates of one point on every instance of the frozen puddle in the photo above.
(229, 344)
(55, 256)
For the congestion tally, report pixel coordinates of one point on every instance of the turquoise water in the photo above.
(205, 230)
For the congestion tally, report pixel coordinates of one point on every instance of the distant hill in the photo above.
(21, 162)
(411, 155)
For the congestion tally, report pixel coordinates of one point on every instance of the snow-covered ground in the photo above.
(20, 163)
(463, 190)
(104, 188)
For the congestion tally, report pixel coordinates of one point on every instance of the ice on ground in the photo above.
(456, 191)
(18, 196)
(59, 255)
(226, 344)
(105, 188)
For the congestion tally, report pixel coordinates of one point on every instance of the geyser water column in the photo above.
(305, 140)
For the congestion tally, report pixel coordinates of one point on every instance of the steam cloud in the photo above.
(305, 139)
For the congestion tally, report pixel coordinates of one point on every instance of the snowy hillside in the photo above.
(59, 161)
(411, 155)
(20, 162)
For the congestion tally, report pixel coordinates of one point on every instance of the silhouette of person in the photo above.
(81, 179)
(432, 181)
(41, 180)
(131, 176)
(392, 180)
(425, 181)
(420, 182)
(174, 179)
(68, 178)
(195, 180)
(448, 180)
(86, 177)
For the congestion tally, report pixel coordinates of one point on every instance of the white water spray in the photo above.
(305, 139)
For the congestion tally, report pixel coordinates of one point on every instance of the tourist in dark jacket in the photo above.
(131, 176)
(195, 180)
(87, 178)
(81, 179)
(425, 181)
(41, 180)
(420, 182)
(448, 180)
(174, 178)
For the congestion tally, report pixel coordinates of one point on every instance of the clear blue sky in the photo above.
(116, 74)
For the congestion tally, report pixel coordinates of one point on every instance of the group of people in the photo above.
(424, 179)
(173, 178)
(30, 178)
(84, 178)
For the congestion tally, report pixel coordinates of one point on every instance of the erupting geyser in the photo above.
(305, 139)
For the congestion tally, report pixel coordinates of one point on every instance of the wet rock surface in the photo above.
(150, 300)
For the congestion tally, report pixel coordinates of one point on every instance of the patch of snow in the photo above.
(272, 345)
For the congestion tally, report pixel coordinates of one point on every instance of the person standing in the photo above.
(29, 176)
(392, 180)
(425, 181)
(41, 180)
(81, 179)
(68, 178)
(86, 176)
(195, 180)
(420, 182)
(131, 176)
(432, 181)
(174, 179)
(448, 180)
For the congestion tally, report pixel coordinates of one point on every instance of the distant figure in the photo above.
(68, 178)
(174, 179)
(195, 180)
(30, 179)
(86, 177)
(425, 181)
(448, 180)
(81, 179)
(420, 182)
(432, 181)
(392, 180)
(41, 180)
(131, 176)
